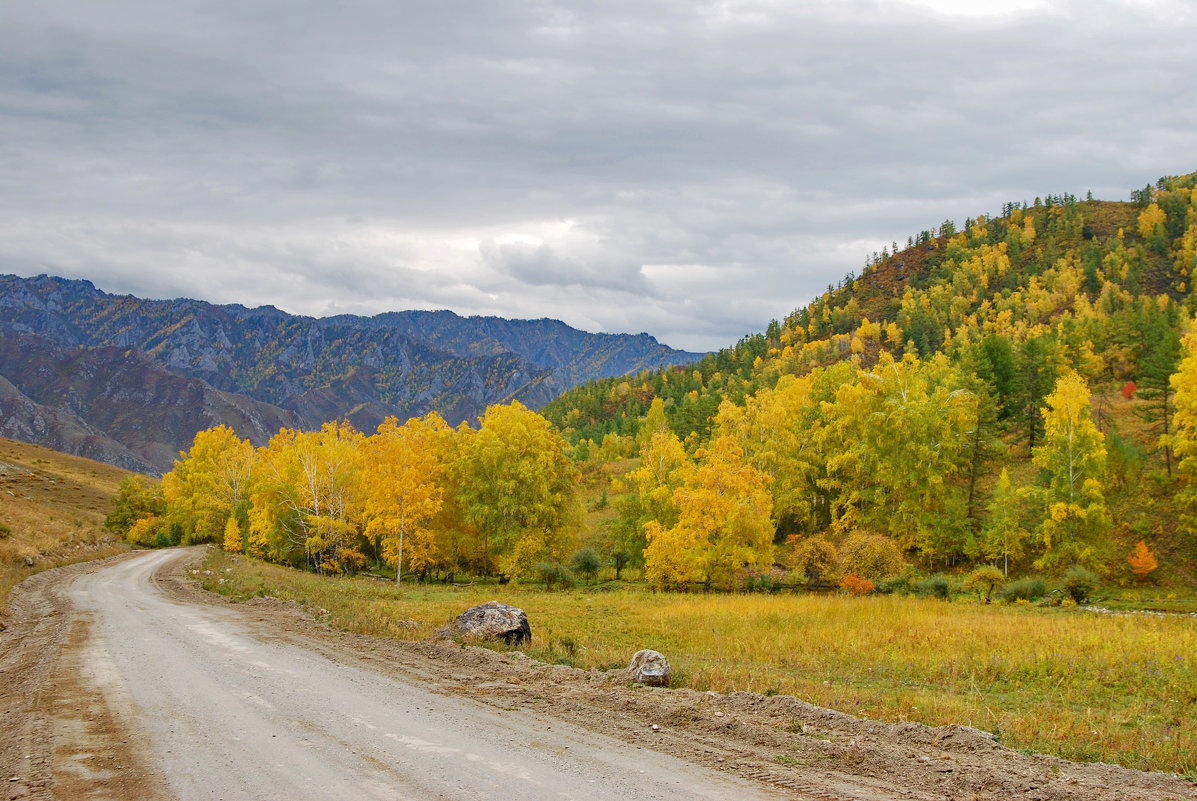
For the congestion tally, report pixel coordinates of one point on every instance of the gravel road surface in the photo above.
(226, 715)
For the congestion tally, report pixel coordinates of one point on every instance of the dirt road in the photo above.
(124, 681)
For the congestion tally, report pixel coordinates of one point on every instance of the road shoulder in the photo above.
(62, 739)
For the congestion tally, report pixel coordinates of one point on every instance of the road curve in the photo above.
(222, 713)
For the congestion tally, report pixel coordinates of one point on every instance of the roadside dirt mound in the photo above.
(804, 750)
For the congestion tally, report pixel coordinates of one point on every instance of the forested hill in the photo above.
(1012, 397)
(1002, 391)
(131, 380)
(1056, 282)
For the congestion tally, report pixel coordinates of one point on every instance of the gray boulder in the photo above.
(491, 621)
(649, 667)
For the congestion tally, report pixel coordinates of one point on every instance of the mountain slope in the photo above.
(999, 393)
(115, 405)
(1061, 269)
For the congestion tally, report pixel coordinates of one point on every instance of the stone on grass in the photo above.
(491, 621)
(649, 667)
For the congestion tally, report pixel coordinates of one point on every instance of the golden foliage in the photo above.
(723, 525)
(1142, 561)
(1073, 456)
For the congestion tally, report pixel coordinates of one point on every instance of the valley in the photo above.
(88, 722)
(955, 495)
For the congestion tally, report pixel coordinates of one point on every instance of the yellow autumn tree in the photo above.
(1183, 438)
(775, 429)
(895, 441)
(404, 489)
(515, 482)
(1186, 248)
(209, 483)
(1151, 226)
(645, 493)
(303, 502)
(1003, 535)
(233, 541)
(658, 475)
(724, 523)
(1073, 457)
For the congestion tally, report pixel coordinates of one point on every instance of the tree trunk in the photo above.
(399, 561)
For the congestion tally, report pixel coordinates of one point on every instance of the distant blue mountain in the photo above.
(258, 368)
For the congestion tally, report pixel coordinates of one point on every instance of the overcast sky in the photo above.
(691, 169)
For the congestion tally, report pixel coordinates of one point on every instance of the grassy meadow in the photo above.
(1081, 685)
(52, 509)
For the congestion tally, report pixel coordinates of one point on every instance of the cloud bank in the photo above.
(688, 169)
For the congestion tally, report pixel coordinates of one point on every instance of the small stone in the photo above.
(655, 727)
(718, 714)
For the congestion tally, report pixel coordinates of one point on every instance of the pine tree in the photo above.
(1142, 561)
(1035, 373)
(1155, 385)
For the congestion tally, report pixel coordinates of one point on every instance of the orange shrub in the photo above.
(857, 585)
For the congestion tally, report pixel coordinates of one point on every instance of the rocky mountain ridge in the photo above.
(72, 355)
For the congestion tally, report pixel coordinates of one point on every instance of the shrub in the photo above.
(151, 532)
(5, 531)
(1024, 589)
(586, 562)
(554, 573)
(901, 584)
(758, 582)
(934, 586)
(814, 562)
(1079, 584)
(984, 579)
(857, 585)
(138, 498)
(871, 556)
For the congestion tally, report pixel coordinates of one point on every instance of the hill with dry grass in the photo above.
(52, 509)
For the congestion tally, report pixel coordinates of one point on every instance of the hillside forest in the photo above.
(1008, 398)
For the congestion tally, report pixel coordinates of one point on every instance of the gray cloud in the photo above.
(690, 169)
